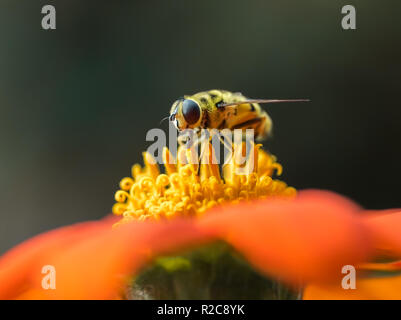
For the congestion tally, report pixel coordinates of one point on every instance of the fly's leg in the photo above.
(226, 139)
(203, 142)
(187, 137)
(183, 139)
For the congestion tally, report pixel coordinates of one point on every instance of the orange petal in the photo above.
(307, 239)
(383, 288)
(390, 266)
(92, 261)
(385, 227)
(16, 265)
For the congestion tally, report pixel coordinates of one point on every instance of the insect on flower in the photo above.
(221, 109)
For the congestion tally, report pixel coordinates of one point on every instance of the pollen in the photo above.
(192, 184)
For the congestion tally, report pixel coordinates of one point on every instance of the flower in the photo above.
(298, 237)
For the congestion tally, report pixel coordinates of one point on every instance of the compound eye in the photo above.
(190, 111)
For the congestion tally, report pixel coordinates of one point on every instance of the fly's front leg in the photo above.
(203, 142)
(217, 138)
(188, 137)
(183, 139)
(226, 139)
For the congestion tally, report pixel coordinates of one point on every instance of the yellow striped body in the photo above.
(215, 116)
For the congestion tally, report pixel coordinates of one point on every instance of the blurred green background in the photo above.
(76, 102)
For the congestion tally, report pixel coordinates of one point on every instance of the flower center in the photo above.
(192, 185)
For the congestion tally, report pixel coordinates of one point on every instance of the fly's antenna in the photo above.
(262, 101)
(165, 118)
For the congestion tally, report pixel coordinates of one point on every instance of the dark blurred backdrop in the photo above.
(76, 102)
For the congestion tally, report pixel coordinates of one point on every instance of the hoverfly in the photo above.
(221, 109)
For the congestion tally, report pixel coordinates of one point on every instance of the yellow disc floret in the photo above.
(190, 185)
